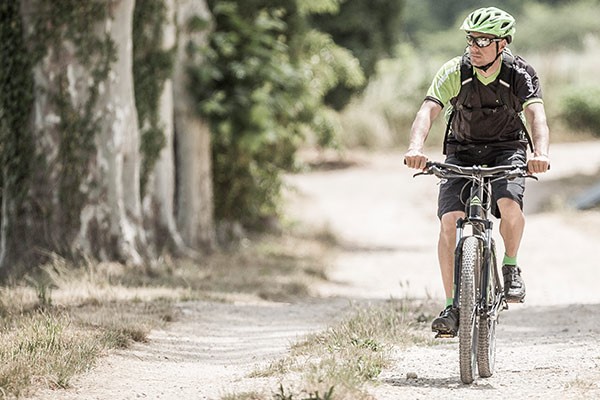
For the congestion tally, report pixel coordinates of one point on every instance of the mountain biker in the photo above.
(485, 127)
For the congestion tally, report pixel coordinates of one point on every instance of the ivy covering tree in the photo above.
(262, 88)
(16, 100)
(152, 66)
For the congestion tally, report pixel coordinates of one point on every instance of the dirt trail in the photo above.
(384, 218)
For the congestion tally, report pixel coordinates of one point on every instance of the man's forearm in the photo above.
(541, 139)
(540, 133)
(419, 130)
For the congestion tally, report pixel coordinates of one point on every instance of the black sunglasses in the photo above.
(481, 41)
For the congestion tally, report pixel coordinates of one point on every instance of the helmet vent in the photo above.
(486, 17)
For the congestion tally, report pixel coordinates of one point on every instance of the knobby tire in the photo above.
(468, 329)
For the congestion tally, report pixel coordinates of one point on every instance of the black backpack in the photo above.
(507, 97)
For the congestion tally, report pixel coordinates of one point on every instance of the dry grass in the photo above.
(343, 358)
(57, 321)
(560, 71)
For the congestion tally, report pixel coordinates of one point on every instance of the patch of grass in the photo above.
(243, 396)
(47, 347)
(581, 384)
(354, 351)
(43, 347)
(282, 395)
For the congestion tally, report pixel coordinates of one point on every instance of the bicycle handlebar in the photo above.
(444, 170)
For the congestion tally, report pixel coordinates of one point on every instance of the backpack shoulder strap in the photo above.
(466, 77)
(506, 73)
(506, 78)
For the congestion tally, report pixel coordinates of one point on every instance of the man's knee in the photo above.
(509, 208)
(448, 223)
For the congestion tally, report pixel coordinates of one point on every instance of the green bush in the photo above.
(383, 115)
(262, 89)
(551, 28)
(581, 109)
(542, 25)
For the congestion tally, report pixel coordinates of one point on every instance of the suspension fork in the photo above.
(460, 225)
(486, 266)
(482, 230)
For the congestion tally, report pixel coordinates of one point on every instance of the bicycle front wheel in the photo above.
(468, 329)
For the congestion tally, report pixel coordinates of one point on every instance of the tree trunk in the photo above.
(86, 196)
(118, 144)
(194, 174)
(16, 141)
(159, 210)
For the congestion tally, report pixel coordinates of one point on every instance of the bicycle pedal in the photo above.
(515, 300)
(445, 335)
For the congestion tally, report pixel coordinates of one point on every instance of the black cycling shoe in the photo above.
(514, 287)
(446, 325)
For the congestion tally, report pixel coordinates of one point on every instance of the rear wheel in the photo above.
(486, 344)
(468, 329)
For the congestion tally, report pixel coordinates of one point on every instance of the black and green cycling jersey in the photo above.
(483, 118)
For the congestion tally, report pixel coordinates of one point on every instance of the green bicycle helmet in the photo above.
(490, 20)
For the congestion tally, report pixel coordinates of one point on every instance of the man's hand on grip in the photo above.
(414, 158)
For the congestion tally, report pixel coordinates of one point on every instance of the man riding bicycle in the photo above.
(487, 90)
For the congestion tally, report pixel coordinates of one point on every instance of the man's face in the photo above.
(484, 55)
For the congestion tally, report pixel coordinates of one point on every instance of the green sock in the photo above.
(449, 301)
(509, 260)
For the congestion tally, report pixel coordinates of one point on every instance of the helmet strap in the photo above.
(487, 66)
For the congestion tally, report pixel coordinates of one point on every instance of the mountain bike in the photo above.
(478, 292)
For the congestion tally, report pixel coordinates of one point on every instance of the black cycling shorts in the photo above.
(454, 192)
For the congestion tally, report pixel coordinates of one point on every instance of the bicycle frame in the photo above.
(476, 216)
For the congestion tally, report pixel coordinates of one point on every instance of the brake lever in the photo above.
(531, 177)
(422, 173)
(521, 173)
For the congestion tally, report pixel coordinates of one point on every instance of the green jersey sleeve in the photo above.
(446, 83)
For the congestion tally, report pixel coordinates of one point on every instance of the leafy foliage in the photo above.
(306, 7)
(581, 109)
(565, 26)
(541, 25)
(370, 29)
(262, 89)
